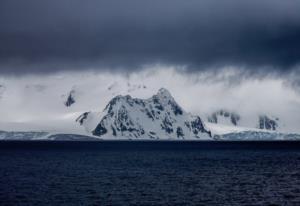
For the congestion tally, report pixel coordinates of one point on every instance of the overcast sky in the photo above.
(211, 54)
(259, 36)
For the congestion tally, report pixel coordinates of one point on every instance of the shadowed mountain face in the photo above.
(70, 99)
(267, 123)
(226, 117)
(158, 117)
(232, 117)
(2, 90)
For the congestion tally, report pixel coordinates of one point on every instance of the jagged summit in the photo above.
(164, 94)
(158, 117)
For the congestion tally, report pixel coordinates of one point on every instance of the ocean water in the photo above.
(149, 173)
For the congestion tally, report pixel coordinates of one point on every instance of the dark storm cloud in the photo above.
(45, 36)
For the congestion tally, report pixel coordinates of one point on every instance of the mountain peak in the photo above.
(164, 96)
(157, 117)
(162, 92)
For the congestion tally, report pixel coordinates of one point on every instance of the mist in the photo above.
(36, 102)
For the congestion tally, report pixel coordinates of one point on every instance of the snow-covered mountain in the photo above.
(229, 118)
(268, 123)
(224, 117)
(158, 117)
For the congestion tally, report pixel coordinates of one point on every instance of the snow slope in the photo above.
(34, 135)
(226, 132)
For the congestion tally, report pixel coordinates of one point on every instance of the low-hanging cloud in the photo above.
(260, 36)
(36, 102)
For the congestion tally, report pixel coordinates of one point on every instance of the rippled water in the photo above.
(149, 173)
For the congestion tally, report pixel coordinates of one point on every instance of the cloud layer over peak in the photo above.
(49, 36)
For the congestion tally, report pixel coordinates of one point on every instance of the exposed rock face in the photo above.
(82, 117)
(267, 123)
(70, 99)
(226, 117)
(2, 90)
(232, 117)
(158, 117)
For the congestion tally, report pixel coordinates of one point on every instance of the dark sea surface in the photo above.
(149, 173)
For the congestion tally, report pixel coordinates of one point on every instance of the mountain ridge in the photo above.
(156, 117)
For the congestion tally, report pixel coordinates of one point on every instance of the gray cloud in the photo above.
(47, 36)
